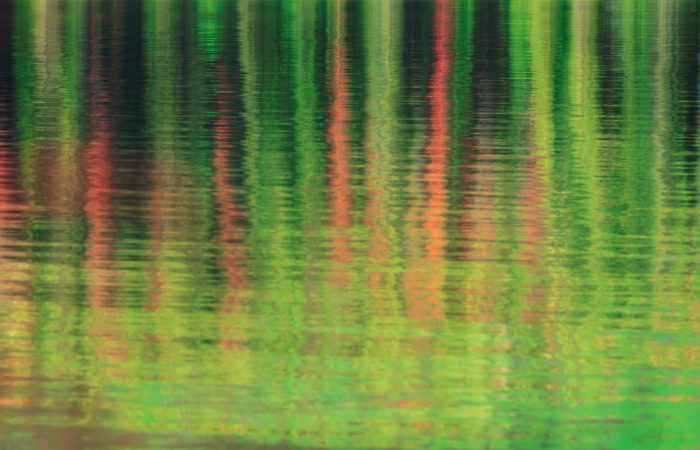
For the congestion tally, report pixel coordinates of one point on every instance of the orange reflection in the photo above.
(17, 311)
(15, 275)
(425, 283)
(233, 260)
(341, 200)
(98, 200)
(99, 171)
(534, 235)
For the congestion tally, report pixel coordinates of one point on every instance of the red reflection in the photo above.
(233, 260)
(15, 276)
(99, 171)
(341, 200)
(98, 197)
(431, 272)
(18, 318)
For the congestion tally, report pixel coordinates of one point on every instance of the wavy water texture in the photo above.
(349, 223)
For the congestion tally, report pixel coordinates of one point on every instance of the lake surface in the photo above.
(334, 224)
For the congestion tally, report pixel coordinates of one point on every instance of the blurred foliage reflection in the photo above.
(335, 223)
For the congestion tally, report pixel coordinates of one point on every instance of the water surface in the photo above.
(333, 224)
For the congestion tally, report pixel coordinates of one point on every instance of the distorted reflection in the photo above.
(336, 223)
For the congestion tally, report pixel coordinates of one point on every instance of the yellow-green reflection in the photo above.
(331, 223)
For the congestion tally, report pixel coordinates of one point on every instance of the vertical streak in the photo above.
(14, 270)
(233, 260)
(542, 35)
(383, 22)
(340, 194)
(98, 201)
(479, 174)
(157, 38)
(98, 166)
(60, 57)
(436, 170)
(17, 311)
(583, 118)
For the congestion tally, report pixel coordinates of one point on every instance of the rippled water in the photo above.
(332, 224)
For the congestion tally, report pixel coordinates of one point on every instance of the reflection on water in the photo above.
(334, 223)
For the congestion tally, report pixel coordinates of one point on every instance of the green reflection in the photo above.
(335, 223)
